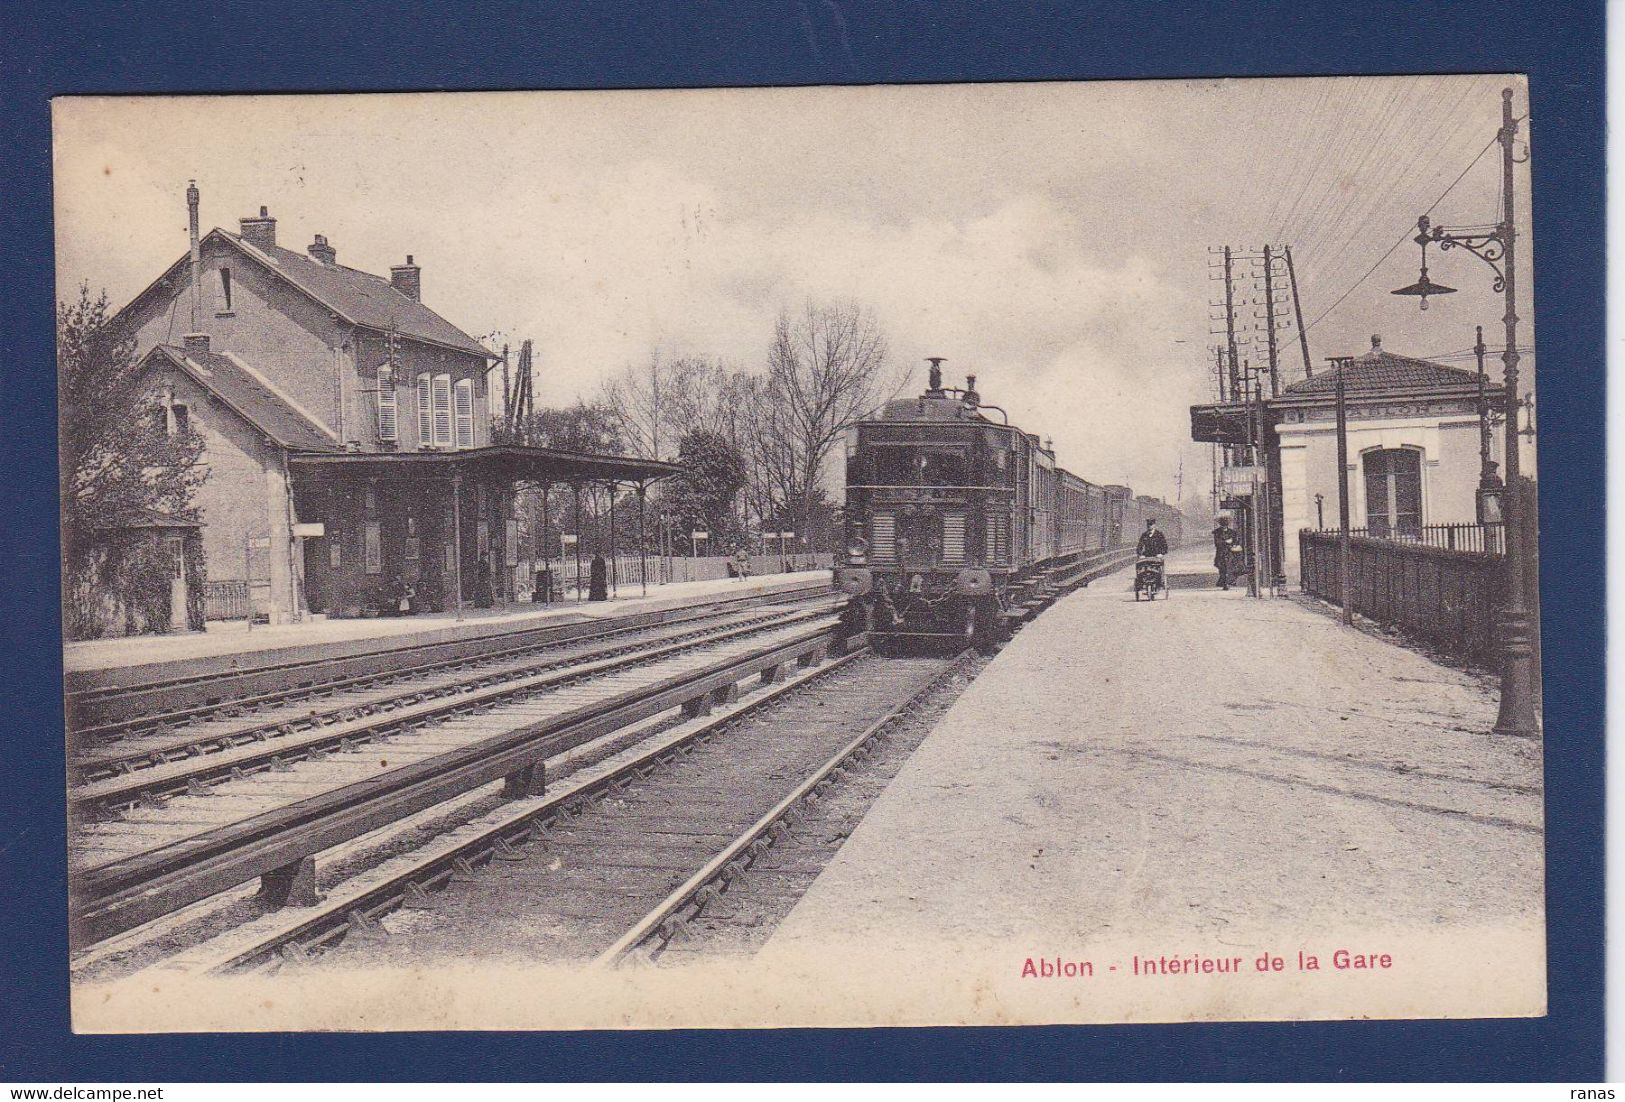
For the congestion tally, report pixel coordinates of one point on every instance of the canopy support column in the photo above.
(457, 538)
(614, 580)
(643, 545)
(575, 488)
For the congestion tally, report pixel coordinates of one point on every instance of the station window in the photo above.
(1393, 492)
(463, 404)
(387, 411)
(225, 290)
(181, 418)
(434, 410)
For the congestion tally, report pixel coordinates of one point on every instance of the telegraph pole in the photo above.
(1297, 310)
(1230, 325)
(1269, 321)
(507, 396)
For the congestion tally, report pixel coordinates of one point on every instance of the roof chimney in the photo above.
(195, 342)
(408, 279)
(195, 251)
(322, 251)
(1376, 343)
(259, 232)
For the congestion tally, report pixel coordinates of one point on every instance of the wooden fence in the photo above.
(1447, 599)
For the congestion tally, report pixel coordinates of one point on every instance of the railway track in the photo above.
(108, 779)
(265, 808)
(131, 702)
(611, 865)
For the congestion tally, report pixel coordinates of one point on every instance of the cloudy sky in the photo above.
(1052, 238)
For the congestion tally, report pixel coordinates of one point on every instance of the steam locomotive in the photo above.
(955, 520)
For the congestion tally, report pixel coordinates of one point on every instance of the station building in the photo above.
(1420, 442)
(346, 428)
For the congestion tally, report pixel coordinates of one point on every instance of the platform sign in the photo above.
(310, 529)
(1240, 481)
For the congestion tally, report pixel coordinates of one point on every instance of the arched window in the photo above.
(1393, 492)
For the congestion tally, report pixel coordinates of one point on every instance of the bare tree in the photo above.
(660, 402)
(827, 369)
(637, 398)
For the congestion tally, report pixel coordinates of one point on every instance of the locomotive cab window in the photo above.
(919, 466)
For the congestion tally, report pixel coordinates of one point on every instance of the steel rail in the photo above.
(413, 886)
(106, 779)
(230, 691)
(739, 854)
(111, 898)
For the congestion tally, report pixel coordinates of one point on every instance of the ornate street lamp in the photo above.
(1422, 288)
(1495, 248)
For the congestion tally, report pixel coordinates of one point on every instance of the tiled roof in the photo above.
(1378, 370)
(242, 390)
(362, 297)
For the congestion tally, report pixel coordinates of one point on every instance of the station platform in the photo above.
(228, 644)
(1131, 789)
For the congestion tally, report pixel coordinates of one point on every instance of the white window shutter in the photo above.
(442, 411)
(387, 429)
(425, 414)
(464, 406)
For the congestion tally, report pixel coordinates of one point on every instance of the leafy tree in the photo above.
(703, 495)
(118, 454)
(583, 427)
(120, 460)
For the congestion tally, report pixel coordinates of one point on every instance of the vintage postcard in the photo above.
(891, 555)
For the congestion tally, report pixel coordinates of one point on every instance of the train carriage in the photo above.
(954, 518)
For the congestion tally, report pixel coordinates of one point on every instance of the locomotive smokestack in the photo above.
(934, 385)
(971, 398)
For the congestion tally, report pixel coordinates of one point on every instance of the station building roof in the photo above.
(1375, 376)
(312, 449)
(360, 298)
(1382, 372)
(513, 462)
(250, 395)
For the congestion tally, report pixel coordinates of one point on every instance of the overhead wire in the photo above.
(1406, 236)
(1399, 178)
(1344, 203)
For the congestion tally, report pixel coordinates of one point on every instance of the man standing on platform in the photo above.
(1224, 538)
(1153, 544)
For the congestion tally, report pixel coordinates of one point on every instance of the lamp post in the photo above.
(1489, 482)
(1495, 247)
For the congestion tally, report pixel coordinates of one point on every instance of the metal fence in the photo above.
(628, 570)
(1449, 537)
(225, 600)
(1447, 598)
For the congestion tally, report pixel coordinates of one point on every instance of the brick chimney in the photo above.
(195, 342)
(322, 251)
(259, 232)
(408, 279)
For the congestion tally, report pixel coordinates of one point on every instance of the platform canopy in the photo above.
(1219, 423)
(508, 462)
